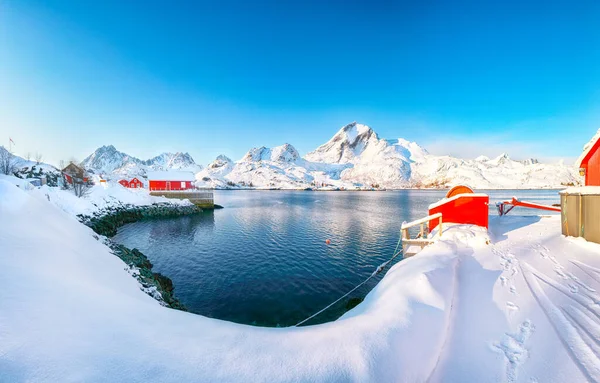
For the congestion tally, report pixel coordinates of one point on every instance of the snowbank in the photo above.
(70, 312)
(522, 309)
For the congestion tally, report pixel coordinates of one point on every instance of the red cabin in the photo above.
(124, 183)
(589, 162)
(135, 184)
(172, 180)
(463, 206)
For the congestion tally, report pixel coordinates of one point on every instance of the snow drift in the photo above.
(70, 312)
(522, 308)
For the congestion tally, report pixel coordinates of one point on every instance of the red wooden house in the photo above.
(170, 180)
(135, 183)
(75, 174)
(589, 162)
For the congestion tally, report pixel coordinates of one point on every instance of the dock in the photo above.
(203, 198)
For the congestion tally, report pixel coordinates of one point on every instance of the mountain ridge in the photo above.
(354, 157)
(107, 160)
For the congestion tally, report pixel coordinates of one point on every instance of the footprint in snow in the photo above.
(511, 306)
(513, 289)
(514, 350)
(503, 281)
(558, 270)
(573, 288)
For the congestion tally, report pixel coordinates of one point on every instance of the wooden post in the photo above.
(440, 229)
(580, 229)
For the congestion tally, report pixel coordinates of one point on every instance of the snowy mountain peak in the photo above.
(107, 159)
(283, 153)
(220, 162)
(346, 145)
(501, 159)
(354, 132)
(257, 154)
(108, 148)
(176, 160)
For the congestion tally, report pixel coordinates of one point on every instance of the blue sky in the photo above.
(460, 78)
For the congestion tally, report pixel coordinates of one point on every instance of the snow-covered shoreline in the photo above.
(470, 307)
(106, 208)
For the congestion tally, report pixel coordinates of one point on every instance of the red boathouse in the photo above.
(462, 206)
(171, 180)
(124, 183)
(589, 162)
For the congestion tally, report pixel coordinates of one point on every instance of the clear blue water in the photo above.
(263, 259)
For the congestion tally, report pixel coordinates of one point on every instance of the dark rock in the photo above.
(353, 302)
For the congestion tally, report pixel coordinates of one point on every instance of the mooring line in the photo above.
(378, 270)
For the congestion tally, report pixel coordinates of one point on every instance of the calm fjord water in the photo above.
(263, 259)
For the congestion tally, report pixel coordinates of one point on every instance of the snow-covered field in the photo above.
(523, 308)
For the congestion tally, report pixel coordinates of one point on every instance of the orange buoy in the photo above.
(328, 242)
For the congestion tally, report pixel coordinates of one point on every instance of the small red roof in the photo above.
(588, 150)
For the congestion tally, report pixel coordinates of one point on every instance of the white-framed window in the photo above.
(183, 184)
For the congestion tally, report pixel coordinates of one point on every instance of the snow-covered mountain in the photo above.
(278, 167)
(178, 161)
(110, 162)
(346, 146)
(356, 157)
(107, 159)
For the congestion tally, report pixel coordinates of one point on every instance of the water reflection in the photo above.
(263, 259)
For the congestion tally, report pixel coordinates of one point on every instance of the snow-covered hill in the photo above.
(23, 168)
(355, 157)
(110, 162)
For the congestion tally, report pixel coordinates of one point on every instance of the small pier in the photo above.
(412, 246)
(203, 198)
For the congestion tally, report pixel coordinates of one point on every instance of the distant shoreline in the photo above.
(378, 190)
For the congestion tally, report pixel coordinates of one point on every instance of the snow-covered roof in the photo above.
(587, 148)
(583, 190)
(446, 200)
(171, 176)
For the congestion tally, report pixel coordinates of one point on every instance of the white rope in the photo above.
(378, 270)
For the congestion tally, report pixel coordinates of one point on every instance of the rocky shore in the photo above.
(105, 222)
